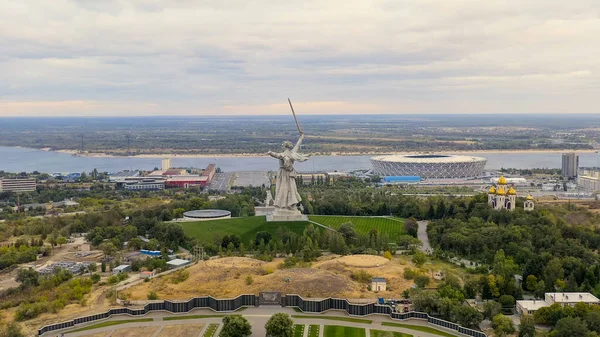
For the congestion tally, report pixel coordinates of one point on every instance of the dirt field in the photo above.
(330, 276)
(191, 330)
(135, 332)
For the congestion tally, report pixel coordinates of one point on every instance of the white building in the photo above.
(564, 299)
(177, 263)
(165, 164)
(378, 284)
(124, 268)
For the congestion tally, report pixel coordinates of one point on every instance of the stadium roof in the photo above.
(428, 158)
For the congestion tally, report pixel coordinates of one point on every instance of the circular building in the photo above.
(429, 166)
(206, 214)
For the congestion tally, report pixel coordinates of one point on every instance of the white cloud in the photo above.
(216, 57)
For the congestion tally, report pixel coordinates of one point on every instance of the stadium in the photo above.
(429, 166)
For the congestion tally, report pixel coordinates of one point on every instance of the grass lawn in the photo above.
(343, 331)
(334, 318)
(176, 318)
(313, 330)
(210, 330)
(111, 323)
(245, 228)
(363, 224)
(381, 333)
(298, 330)
(420, 328)
(296, 309)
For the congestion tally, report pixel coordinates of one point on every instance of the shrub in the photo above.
(249, 280)
(180, 276)
(289, 262)
(409, 274)
(95, 278)
(421, 281)
(387, 255)
(152, 296)
(361, 276)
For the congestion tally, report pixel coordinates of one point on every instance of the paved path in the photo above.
(422, 235)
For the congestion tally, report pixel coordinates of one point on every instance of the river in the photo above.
(23, 159)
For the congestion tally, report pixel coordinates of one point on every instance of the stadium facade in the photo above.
(429, 166)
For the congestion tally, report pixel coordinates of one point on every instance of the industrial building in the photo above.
(17, 185)
(429, 166)
(186, 181)
(124, 176)
(177, 263)
(145, 185)
(570, 164)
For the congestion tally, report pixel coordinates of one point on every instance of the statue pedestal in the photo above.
(282, 214)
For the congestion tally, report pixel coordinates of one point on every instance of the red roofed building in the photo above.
(186, 181)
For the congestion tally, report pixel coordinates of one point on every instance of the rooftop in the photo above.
(572, 297)
(377, 279)
(533, 305)
(178, 262)
(121, 267)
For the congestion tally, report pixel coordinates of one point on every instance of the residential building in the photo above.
(570, 164)
(17, 185)
(165, 164)
(564, 299)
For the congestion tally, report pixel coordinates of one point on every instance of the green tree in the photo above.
(527, 326)
(235, 326)
(61, 240)
(421, 281)
(592, 319)
(103, 266)
(531, 282)
(502, 325)
(491, 309)
(27, 277)
(108, 248)
(540, 289)
(280, 325)
(347, 231)
(466, 316)
(569, 327)
(419, 258)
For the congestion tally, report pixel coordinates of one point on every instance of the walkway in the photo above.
(257, 317)
(422, 235)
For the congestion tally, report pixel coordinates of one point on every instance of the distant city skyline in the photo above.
(161, 58)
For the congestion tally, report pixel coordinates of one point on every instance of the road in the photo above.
(221, 181)
(422, 235)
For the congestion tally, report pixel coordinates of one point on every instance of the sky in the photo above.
(234, 57)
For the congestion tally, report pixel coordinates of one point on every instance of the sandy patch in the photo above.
(97, 334)
(181, 330)
(363, 261)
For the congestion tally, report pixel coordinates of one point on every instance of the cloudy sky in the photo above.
(153, 57)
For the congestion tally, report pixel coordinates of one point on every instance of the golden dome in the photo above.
(502, 180)
(511, 191)
(500, 191)
(492, 190)
(529, 197)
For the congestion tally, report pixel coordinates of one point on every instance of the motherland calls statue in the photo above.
(286, 192)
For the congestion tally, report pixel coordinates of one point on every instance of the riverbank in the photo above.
(229, 155)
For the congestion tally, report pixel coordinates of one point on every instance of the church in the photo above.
(505, 197)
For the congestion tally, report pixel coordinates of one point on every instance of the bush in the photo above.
(95, 278)
(249, 280)
(113, 279)
(289, 262)
(152, 296)
(180, 276)
(421, 281)
(387, 255)
(361, 276)
(409, 274)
